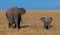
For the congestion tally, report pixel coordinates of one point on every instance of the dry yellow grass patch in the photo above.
(32, 18)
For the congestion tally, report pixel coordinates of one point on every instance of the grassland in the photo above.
(32, 19)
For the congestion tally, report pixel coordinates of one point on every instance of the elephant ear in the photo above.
(43, 19)
(22, 11)
(51, 18)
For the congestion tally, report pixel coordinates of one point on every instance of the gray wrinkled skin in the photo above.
(14, 16)
(47, 22)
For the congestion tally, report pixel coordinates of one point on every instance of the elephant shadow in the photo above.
(21, 26)
(24, 26)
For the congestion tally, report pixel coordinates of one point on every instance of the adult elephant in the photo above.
(14, 16)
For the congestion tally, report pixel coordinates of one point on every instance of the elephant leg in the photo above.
(49, 24)
(10, 23)
(14, 25)
(16, 21)
(10, 18)
(45, 25)
(19, 20)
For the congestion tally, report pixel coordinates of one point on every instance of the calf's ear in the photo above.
(51, 18)
(42, 18)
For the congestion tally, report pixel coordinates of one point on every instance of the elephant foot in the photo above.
(14, 25)
(47, 27)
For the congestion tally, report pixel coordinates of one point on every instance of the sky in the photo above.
(31, 4)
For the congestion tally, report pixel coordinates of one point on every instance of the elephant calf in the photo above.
(14, 16)
(47, 22)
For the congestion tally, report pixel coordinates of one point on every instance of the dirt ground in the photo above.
(32, 24)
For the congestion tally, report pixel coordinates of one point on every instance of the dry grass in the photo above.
(32, 18)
